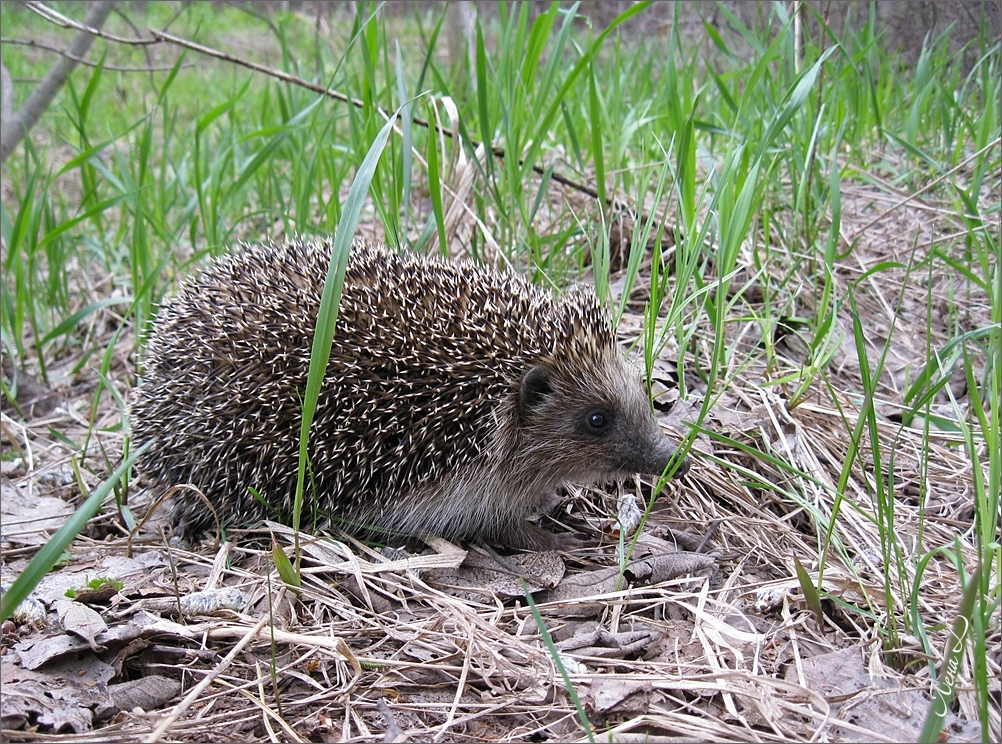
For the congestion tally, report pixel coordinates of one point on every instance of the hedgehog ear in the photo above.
(535, 385)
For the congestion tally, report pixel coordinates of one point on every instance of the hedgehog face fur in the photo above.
(455, 399)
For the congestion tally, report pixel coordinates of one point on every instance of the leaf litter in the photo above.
(703, 632)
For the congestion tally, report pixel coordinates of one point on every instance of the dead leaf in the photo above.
(619, 696)
(65, 697)
(602, 643)
(98, 592)
(876, 703)
(586, 584)
(483, 573)
(82, 621)
(84, 566)
(34, 653)
(28, 518)
(667, 566)
(148, 693)
(682, 412)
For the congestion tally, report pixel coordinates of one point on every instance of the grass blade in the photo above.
(323, 335)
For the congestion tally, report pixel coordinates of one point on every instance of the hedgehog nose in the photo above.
(661, 455)
(683, 468)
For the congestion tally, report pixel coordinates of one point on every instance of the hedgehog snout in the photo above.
(683, 467)
(653, 455)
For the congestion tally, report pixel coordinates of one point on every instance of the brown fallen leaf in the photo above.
(148, 693)
(27, 518)
(483, 573)
(68, 695)
(81, 621)
(644, 571)
(871, 701)
(587, 584)
(602, 643)
(608, 696)
(665, 567)
(33, 653)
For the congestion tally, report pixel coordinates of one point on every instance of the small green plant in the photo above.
(54, 549)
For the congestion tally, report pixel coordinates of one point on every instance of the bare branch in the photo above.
(85, 62)
(18, 125)
(91, 28)
(270, 71)
(499, 152)
(59, 19)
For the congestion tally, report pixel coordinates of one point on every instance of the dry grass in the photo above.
(379, 649)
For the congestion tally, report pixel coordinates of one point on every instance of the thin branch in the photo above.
(59, 19)
(272, 72)
(499, 152)
(92, 29)
(16, 128)
(80, 60)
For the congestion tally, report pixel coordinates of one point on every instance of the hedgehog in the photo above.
(456, 399)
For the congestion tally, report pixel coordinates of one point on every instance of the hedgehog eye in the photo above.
(597, 421)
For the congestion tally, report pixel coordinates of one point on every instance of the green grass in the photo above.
(131, 179)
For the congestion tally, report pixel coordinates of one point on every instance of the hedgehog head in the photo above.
(587, 405)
